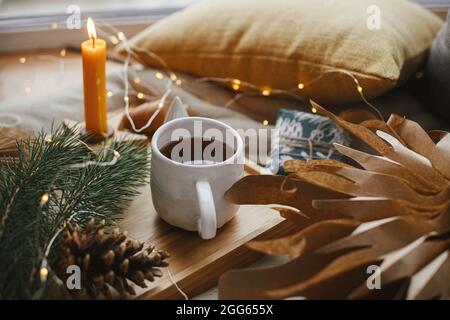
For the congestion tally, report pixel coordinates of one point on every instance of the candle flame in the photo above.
(91, 29)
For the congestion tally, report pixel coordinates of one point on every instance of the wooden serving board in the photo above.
(196, 264)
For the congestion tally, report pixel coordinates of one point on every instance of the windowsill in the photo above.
(440, 11)
(50, 32)
(58, 20)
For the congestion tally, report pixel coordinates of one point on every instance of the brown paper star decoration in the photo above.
(388, 209)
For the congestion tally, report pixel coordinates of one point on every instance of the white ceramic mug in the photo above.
(191, 196)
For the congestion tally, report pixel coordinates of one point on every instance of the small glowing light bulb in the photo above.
(43, 272)
(301, 86)
(114, 40)
(235, 86)
(160, 105)
(121, 35)
(48, 141)
(266, 122)
(109, 94)
(27, 89)
(178, 82)
(54, 25)
(137, 80)
(237, 81)
(116, 153)
(159, 75)
(140, 95)
(265, 92)
(44, 199)
(314, 110)
(62, 53)
(173, 77)
(126, 99)
(22, 60)
(360, 89)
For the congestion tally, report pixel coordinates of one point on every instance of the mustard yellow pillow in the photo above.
(281, 43)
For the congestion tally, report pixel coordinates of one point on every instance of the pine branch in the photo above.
(27, 224)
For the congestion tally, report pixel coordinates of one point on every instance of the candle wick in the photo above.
(93, 42)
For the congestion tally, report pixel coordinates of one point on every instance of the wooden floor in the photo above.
(23, 74)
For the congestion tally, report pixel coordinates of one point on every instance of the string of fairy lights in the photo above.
(242, 88)
(116, 37)
(235, 84)
(45, 198)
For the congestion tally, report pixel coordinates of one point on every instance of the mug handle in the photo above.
(207, 223)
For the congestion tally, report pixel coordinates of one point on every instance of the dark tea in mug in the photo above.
(197, 151)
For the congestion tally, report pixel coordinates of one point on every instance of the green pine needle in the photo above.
(27, 222)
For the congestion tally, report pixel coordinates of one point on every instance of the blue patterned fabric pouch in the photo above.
(305, 136)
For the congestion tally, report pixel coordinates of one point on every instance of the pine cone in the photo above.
(107, 262)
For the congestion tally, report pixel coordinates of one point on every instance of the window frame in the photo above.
(36, 32)
(50, 32)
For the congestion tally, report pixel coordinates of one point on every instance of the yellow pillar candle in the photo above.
(94, 79)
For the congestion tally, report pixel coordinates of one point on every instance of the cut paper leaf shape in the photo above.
(177, 109)
(377, 227)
